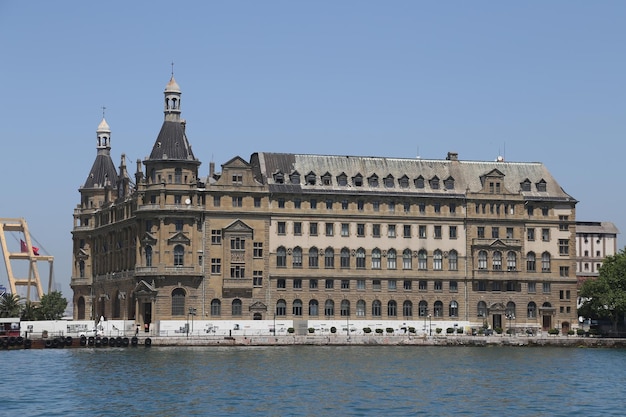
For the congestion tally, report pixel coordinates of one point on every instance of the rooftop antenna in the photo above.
(172, 68)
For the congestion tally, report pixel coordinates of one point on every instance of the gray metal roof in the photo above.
(596, 228)
(467, 175)
(172, 143)
(102, 171)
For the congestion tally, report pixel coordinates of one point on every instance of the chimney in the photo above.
(211, 169)
(452, 156)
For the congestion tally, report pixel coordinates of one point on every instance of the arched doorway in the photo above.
(257, 316)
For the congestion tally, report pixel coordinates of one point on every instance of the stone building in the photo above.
(307, 237)
(594, 242)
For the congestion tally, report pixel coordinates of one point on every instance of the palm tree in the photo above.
(10, 305)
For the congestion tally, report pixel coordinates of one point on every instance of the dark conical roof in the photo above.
(172, 143)
(102, 171)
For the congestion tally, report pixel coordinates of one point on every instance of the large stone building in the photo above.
(594, 242)
(307, 237)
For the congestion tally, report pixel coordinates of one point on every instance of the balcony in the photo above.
(141, 271)
(237, 282)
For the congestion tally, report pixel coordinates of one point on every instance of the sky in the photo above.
(531, 81)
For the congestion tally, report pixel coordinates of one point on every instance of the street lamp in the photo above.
(192, 312)
(430, 325)
(510, 317)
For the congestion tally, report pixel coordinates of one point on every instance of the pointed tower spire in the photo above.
(104, 136)
(103, 169)
(172, 100)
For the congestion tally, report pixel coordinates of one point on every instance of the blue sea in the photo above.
(314, 381)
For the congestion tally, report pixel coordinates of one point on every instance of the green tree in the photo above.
(10, 305)
(30, 311)
(605, 296)
(52, 306)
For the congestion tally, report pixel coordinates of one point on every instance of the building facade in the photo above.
(308, 237)
(594, 242)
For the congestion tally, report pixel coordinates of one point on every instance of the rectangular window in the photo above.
(217, 201)
(238, 243)
(495, 232)
(345, 284)
(329, 284)
(257, 249)
(482, 285)
(422, 231)
(297, 283)
(237, 179)
(546, 287)
(437, 207)
(345, 229)
(454, 286)
(530, 210)
(376, 284)
(216, 237)
(313, 229)
(496, 286)
(391, 230)
(216, 266)
(281, 203)
(437, 232)
(313, 284)
(391, 285)
(563, 223)
(237, 271)
(281, 283)
(344, 204)
(297, 228)
(313, 203)
(177, 199)
(564, 271)
(452, 207)
(407, 207)
(509, 233)
(423, 285)
(257, 278)
(406, 230)
(376, 230)
(422, 208)
(360, 284)
(257, 202)
(452, 232)
(376, 205)
(238, 201)
(564, 247)
(282, 228)
(329, 229)
(329, 204)
(391, 206)
(438, 285)
(481, 232)
(532, 287)
(179, 225)
(545, 211)
(360, 204)
(545, 235)
(407, 284)
(530, 234)
(297, 203)
(360, 229)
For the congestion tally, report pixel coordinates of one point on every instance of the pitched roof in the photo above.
(172, 143)
(102, 171)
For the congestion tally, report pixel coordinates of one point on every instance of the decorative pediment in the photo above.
(236, 162)
(81, 255)
(179, 238)
(148, 239)
(258, 306)
(238, 226)
(498, 244)
(497, 307)
(144, 289)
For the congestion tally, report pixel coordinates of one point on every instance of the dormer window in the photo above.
(295, 178)
(342, 179)
(419, 182)
(373, 181)
(541, 186)
(327, 179)
(389, 181)
(434, 183)
(525, 185)
(279, 178)
(357, 180)
(404, 182)
(310, 178)
(449, 183)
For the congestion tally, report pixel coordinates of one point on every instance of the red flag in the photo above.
(23, 246)
(35, 250)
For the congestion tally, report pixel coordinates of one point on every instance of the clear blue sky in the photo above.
(532, 81)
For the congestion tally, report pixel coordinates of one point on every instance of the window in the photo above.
(237, 271)
(376, 259)
(530, 234)
(313, 228)
(282, 228)
(345, 258)
(563, 223)
(438, 285)
(545, 262)
(391, 206)
(344, 308)
(345, 229)
(391, 230)
(408, 284)
(406, 231)
(329, 284)
(342, 179)
(497, 261)
(376, 205)
(297, 228)
(148, 257)
(495, 232)
(313, 284)
(511, 261)
(360, 229)
(217, 200)
(407, 309)
(297, 283)
(509, 233)
(360, 258)
(546, 288)
(437, 207)
(407, 207)
(329, 204)
(238, 202)
(422, 231)
(257, 250)
(281, 308)
(329, 229)
(407, 259)
(329, 258)
(482, 259)
(423, 285)
(391, 259)
(392, 285)
(313, 308)
(437, 232)
(216, 307)
(481, 309)
(545, 211)
(564, 247)
(216, 266)
(313, 257)
(530, 210)
(329, 308)
(454, 309)
(297, 307)
(545, 235)
(295, 178)
(532, 287)
(238, 243)
(531, 310)
(296, 258)
(345, 284)
(281, 257)
(422, 308)
(360, 204)
(392, 308)
(360, 284)
(531, 262)
(422, 208)
(344, 204)
(313, 203)
(257, 202)
(179, 255)
(481, 232)
(297, 203)
(453, 286)
(496, 286)
(216, 237)
(177, 199)
(376, 230)
(482, 285)
(437, 260)
(452, 233)
(376, 285)
(178, 302)
(257, 278)
(564, 271)
(236, 307)
(438, 309)
(281, 203)
(422, 257)
(376, 308)
(453, 260)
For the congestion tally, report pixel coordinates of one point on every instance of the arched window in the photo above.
(422, 260)
(392, 309)
(510, 310)
(497, 261)
(179, 255)
(178, 302)
(281, 257)
(81, 269)
(297, 257)
(407, 308)
(531, 310)
(437, 260)
(482, 259)
(281, 308)
(297, 307)
(391, 259)
(531, 262)
(313, 308)
(376, 308)
(345, 308)
(345, 258)
(81, 308)
(481, 310)
(376, 259)
(407, 259)
(236, 308)
(216, 307)
(511, 261)
(148, 255)
(438, 309)
(360, 308)
(545, 262)
(360, 258)
(313, 257)
(329, 308)
(329, 258)
(423, 308)
(454, 309)
(453, 260)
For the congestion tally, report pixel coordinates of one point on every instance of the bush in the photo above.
(367, 330)
(498, 330)
(333, 329)
(311, 330)
(580, 332)
(411, 329)
(459, 330)
(379, 331)
(553, 331)
(570, 332)
(291, 330)
(438, 330)
(389, 330)
(449, 330)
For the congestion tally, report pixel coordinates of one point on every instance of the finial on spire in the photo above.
(103, 109)
(172, 68)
